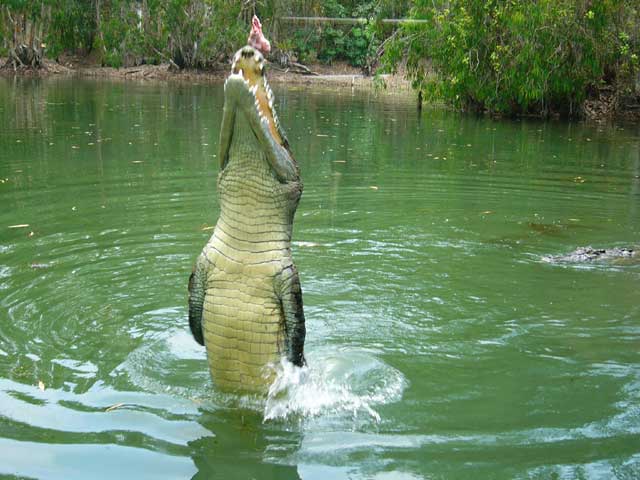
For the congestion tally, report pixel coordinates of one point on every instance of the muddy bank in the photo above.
(330, 76)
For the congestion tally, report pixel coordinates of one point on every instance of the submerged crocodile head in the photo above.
(249, 102)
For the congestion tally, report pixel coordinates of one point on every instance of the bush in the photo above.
(518, 57)
(328, 43)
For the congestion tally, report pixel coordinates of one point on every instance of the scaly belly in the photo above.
(242, 332)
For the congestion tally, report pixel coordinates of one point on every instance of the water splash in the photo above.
(334, 383)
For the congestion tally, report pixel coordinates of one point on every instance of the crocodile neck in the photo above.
(256, 211)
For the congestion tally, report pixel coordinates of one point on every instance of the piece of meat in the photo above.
(256, 38)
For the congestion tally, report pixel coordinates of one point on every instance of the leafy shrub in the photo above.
(518, 57)
(340, 42)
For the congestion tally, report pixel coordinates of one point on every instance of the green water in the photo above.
(441, 344)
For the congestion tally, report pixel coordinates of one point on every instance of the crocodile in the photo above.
(590, 254)
(245, 299)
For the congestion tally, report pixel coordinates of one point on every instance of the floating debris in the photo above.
(41, 385)
(20, 225)
(40, 266)
(114, 407)
(307, 244)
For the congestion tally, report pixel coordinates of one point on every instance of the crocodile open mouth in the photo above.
(249, 64)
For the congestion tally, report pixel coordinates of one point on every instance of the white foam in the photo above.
(334, 383)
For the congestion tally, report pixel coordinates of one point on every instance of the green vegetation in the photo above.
(515, 57)
(506, 57)
(355, 44)
(189, 33)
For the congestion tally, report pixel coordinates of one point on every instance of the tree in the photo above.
(27, 28)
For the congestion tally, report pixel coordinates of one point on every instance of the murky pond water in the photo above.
(441, 343)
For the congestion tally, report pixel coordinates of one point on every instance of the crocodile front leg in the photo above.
(197, 290)
(290, 295)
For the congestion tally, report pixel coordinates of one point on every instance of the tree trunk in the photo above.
(101, 46)
(27, 47)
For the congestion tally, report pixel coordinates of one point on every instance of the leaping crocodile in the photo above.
(245, 300)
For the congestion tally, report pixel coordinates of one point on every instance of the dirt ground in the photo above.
(342, 75)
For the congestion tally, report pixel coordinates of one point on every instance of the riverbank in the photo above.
(338, 75)
(604, 105)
